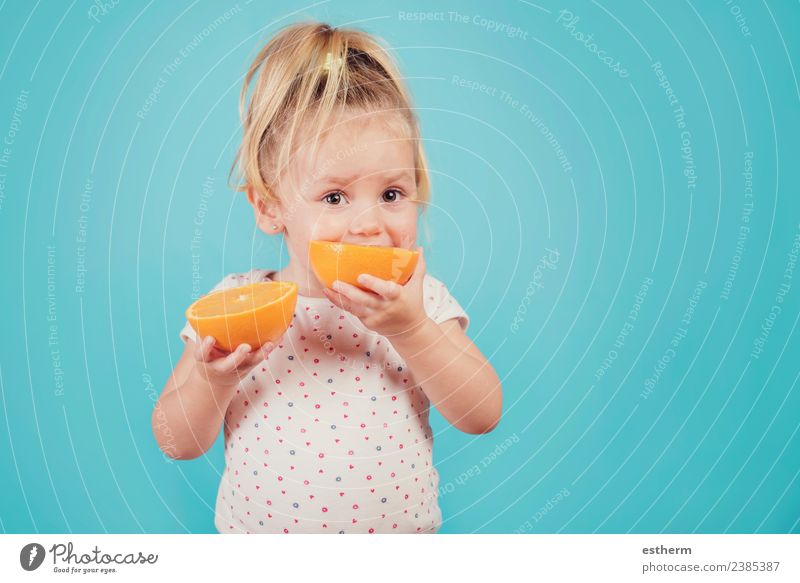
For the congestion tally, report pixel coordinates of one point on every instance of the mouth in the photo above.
(365, 244)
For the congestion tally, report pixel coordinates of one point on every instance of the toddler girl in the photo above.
(326, 431)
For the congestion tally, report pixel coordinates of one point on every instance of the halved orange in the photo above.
(331, 260)
(252, 314)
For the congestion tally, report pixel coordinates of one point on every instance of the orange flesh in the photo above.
(332, 260)
(237, 300)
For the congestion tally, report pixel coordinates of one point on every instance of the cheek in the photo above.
(403, 229)
(326, 226)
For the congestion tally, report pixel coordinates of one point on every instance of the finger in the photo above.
(417, 278)
(266, 349)
(335, 298)
(257, 356)
(202, 349)
(205, 350)
(342, 301)
(215, 353)
(234, 359)
(420, 268)
(251, 360)
(383, 287)
(355, 296)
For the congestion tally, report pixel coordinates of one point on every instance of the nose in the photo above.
(367, 222)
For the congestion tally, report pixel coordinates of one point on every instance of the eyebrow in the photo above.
(389, 177)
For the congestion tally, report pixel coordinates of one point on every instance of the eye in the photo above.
(392, 195)
(333, 198)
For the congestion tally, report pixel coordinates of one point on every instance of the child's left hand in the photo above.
(390, 309)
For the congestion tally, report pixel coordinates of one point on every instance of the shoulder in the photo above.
(431, 283)
(435, 290)
(432, 290)
(439, 302)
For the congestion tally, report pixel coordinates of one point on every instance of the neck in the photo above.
(305, 279)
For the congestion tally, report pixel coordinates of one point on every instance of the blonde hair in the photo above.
(309, 73)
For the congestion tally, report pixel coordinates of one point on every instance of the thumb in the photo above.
(420, 268)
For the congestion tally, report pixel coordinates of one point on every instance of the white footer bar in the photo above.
(476, 557)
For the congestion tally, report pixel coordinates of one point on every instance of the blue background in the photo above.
(588, 163)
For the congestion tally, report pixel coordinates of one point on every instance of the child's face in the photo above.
(359, 188)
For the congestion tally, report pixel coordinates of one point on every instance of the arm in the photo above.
(455, 376)
(191, 409)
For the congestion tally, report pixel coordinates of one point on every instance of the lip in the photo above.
(364, 244)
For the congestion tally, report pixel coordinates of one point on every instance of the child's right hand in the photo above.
(225, 369)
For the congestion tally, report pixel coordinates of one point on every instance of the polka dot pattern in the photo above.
(330, 434)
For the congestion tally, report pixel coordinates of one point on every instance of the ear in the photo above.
(268, 215)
